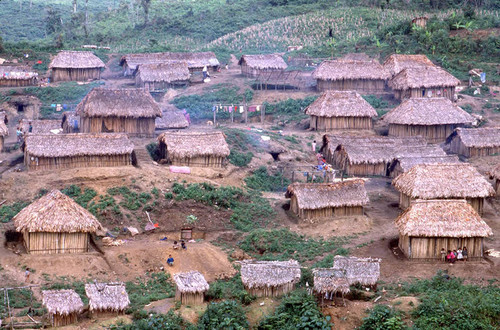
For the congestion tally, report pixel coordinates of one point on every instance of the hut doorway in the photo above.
(13, 237)
(187, 233)
(20, 107)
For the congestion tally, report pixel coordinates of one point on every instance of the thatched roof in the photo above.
(55, 213)
(191, 282)
(398, 62)
(265, 61)
(262, 274)
(434, 181)
(171, 118)
(195, 144)
(62, 302)
(322, 195)
(76, 60)
(4, 130)
(330, 280)
(356, 57)
(423, 77)
(194, 60)
(107, 296)
(70, 145)
(364, 271)
(9, 72)
(495, 172)
(407, 163)
(442, 218)
(163, 72)
(477, 137)
(350, 69)
(340, 104)
(39, 126)
(428, 111)
(127, 103)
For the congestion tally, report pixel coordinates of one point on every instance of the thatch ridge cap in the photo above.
(340, 104)
(76, 60)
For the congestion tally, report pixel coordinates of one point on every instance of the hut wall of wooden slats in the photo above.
(420, 21)
(329, 123)
(272, 291)
(138, 127)
(59, 74)
(50, 163)
(339, 160)
(457, 147)
(250, 72)
(18, 82)
(205, 161)
(159, 85)
(432, 133)
(189, 298)
(53, 243)
(58, 320)
(430, 247)
(496, 186)
(1, 143)
(477, 204)
(448, 92)
(359, 85)
(327, 212)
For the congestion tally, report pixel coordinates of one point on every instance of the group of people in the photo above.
(452, 256)
(170, 260)
(20, 134)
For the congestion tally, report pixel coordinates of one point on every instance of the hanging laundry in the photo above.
(242, 109)
(225, 109)
(258, 108)
(252, 109)
(65, 106)
(214, 108)
(53, 105)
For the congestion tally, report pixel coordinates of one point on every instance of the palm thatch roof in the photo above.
(194, 60)
(171, 117)
(428, 111)
(191, 282)
(163, 72)
(4, 130)
(265, 61)
(76, 60)
(195, 144)
(330, 280)
(127, 103)
(423, 77)
(262, 274)
(442, 218)
(55, 213)
(477, 137)
(21, 72)
(407, 163)
(62, 302)
(364, 271)
(107, 296)
(356, 57)
(340, 104)
(323, 195)
(39, 126)
(70, 145)
(350, 69)
(434, 181)
(398, 62)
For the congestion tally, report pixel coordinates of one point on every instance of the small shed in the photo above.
(429, 81)
(254, 65)
(63, 306)
(361, 76)
(432, 118)
(404, 164)
(495, 175)
(76, 66)
(17, 76)
(474, 142)
(131, 111)
(270, 278)
(62, 151)
(70, 122)
(340, 110)
(443, 181)
(330, 281)
(45, 126)
(191, 288)
(107, 298)
(428, 226)
(55, 223)
(202, 149)
(396, 63)
(362, 271)
(161, 76)
(4, 130)
(327, 200)
(171, 118)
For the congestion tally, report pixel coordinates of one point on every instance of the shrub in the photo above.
(224, 315)
(154, 151)
(381, 318)
(261, 180)
(229, 289)
(240, 159)
(141, 292)
(7, 212)
(145, 321)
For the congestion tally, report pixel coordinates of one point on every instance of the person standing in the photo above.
(27, 275)
(30, 129)
(205, 72)
(170, 260)
(314, 146)
(465, 253)
(443, 255)
(460, 255)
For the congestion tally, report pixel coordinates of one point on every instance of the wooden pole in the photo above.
(215, 118)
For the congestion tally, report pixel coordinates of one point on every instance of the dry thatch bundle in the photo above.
(76, 60)
(4, 130)
(423, 77)
(125, 103)
(364, 271)
(428, 111)
(191, 282)
(62, 302)
(442, 218)
(398, 62)
(193, 60)
(477, 137)
(407, 163)
(264, 61)
(55, 213)
(195, 144)
(70, 145)
(330, 280)
(171, 118)
(39, 126)
(163, 72)
(107, 297)
(349, 69)
(265, 274)
(340, 104)
(17, 72)
(321, 195)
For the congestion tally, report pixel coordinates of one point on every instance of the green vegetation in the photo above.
(291, 109)
(23, 301)
(229, 289)
(227, 314)
(383, 317)
(146, 321)
(261, 180)
(64, 282)
(7, 212)
(240, 159)
(154, 150)
(143, 291)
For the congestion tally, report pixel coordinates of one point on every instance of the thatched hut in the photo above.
(495, 175)
(17, 76)
(171, 118)
(327, 200)
(330, 281)
(191, 288)
(107, 298)
(396, 63)
(55, 223)
(203, 149)
(443, 181)
(253, 65)
(404, 164)
(44, 126)
(420, 21)
(362, 271)
(474, 142)
(131, 111)
(70, 122)
(161, 76)
(361, 76)
(270, 278)
(428, 81)
(4, 130)
(427, 226)
(61, 151)
(432, 118)
(340, 110)
(63, 306)
(76, 66)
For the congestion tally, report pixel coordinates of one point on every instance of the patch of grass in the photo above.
(7, 212)
(383, 317)
(467, 108)
(263, 181)
(240, 159)
(155, 287)
(229, 289)
(376, 102)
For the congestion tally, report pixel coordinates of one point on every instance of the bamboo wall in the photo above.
(58, 320)
(273, 291)
(457, 147)
(327, 212)
(359, 85)
(253, 72)
(329, 123)
(421, 21)
(46, 163)
(52, 243)
(138, 127)
(159, 85)
(189, 298)
(430, 247)
(58, 74)
(477, 203)
(432, 133)
(200, 161)
(18, 82)
(448, 92)
(339, 160)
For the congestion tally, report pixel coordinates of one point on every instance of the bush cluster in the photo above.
(263, 181)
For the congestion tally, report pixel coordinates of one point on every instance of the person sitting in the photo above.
(453, 256)
(176, 246)
(170, 260)
(183, 245)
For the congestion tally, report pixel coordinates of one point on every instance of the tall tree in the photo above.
(146, 5)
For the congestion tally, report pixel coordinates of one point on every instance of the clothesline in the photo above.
(236, 108)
